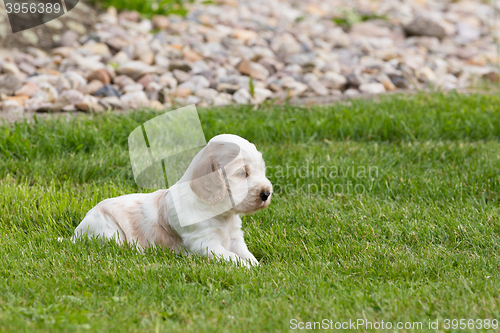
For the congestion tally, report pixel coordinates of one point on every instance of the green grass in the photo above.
(146, 8)
(385, 210)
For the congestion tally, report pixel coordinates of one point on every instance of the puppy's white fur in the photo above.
(152, 220)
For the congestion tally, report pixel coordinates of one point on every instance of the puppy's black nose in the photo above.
(264, 195)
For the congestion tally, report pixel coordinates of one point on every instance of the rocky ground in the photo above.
(247, 52)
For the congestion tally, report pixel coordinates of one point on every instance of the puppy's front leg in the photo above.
(239, 247)
(214, 249)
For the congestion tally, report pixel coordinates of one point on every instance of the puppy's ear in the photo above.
(206, 181)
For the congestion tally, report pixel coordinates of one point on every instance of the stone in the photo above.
(10, 68)
(295, 88)
(372, 88)
(70, 96)
(12, 107)
(63, 51)
(334, 80)
(253, 69)
(133, 87)
(27, 68)
(92, 87)
(191, 55)
(160, 22)
(101, 75)
(369, 29)
(19, 99)
(181, 76)
(222, 99)
(122, 81)
(156, 105)
(97, 48)
(135, 69)
(467, 33)
(89, 107)
(145, 80)
(227, 88)
(147, 57)
(260, 95)
(182, 92)
(111, 102)
(135, 99)
(69, 38)
(198, 82)
(28, 89)
(9, 83)
(351, 92)
(242, 96)
(424, 26)
(107, 91)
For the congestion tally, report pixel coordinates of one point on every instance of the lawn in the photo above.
(384, 210)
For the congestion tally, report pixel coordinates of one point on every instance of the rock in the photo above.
(131, 16)
(49, 107)
(12, 107)
(10, 68)
(133, 87)
(89, 107)
(372, 88)
(244, 34)
(145, 80)
(101, 75)
(92, 87)
(160, 22)
(70, 80)
(9, 83)
(135, 69)
(253, 69)
(97, 48)
(424, 26)
(19, 99)
(147, 57)
(182, 92)
(107, 91)
(111, 102)
(227, 88)
(156, 105)
(198, 82)
(69, 38)
(207, 95)
(71, 96)
(351, 92)
(122, 81)
(180, 65)
(181, 76)
(76, 27)
(134, 100)
(295, 88)
(192, 56)
(222, 99)
(27, 68)
(334, 80)
(28, 89)
(63, 51)
(242, 96)
(467, 32)
(400, 82)
(260, 95)
(369, 29)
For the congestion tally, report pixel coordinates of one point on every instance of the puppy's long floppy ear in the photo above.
(206, 181)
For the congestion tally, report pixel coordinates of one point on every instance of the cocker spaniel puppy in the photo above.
(200, 213)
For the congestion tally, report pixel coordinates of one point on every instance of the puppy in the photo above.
(200, 213)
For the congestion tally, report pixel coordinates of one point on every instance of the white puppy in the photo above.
(228, 167)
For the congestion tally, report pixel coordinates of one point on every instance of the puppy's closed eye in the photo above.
(241, 173)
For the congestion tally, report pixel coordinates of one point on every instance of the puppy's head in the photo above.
(231, 166)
